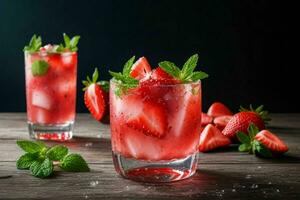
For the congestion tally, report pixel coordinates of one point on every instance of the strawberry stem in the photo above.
(259, 110)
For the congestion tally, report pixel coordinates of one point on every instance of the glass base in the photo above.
(58, 132)
(161, 171)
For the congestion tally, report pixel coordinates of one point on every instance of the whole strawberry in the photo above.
(242, 120)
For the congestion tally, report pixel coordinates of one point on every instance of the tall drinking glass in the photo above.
(155, 131)
(51, 94)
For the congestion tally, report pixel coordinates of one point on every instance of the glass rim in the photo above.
(50, 53)
(112, 80)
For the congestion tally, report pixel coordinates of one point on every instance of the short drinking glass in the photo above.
(155, 131)
(51, 94)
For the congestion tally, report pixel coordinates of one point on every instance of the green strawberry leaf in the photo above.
(252, 130)
(57, 152)
(261, 150)
(245, 147)
(34, 44)
(104, 85)
(29, 146)
(243, 138)
(25, 161)
(39, 68)
(42, 169)
(74, 163)
(95, 75)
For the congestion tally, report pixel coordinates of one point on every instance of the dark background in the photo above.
(240, 44)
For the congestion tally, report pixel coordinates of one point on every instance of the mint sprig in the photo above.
(249, 144)
(71, 44)
(40, 159)
(123, 80)
(104, 84)
(187, 73)
(34, 44)
(39, 68)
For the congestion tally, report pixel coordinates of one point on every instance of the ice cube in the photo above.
(41, 99)
(40, 116)
(67, 59)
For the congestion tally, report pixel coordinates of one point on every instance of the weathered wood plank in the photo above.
(211, 181)
(225, 174)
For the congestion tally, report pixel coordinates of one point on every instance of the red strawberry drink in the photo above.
(155, 125)
(50, 91)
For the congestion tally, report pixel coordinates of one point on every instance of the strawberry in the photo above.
(96, 96)
(261, 143)
(206, 119)
(218, 109)
(212, 138)
(221, 121)
(140, 69)
(151, 120)
(159, 73)
(241, 121)
(271, 141)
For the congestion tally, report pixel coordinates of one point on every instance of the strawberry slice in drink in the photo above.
(140, 69)
(151, 120)
(159, 73)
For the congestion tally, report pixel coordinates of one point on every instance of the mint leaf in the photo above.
(197, 76)
(187, 73)
(189, 66)
(58, 48)
(245, 147)
(128, 65)
(34, 44)
(26, 160)
(29, 146)
(261, 150)
(170, 68)
(39, 68)
(74, 163)
(66, 40)
(71, 44)
(42, 169)
(57, 152)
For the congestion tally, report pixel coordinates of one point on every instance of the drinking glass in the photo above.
(155, 131)
(51, 94)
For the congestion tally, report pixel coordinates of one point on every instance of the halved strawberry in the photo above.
(96, 96)
(221, 121)
(206, 119)
(271, 141)
(159, 73)
(151, 120)
(140, 69)
(218, 109)
(211, 138)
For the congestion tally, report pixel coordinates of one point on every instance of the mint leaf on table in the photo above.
(74, 163)
(187, 73)
(57, 152)
(123, 80)
(41, 159)
(42, 168)
(25, 161)
(39, 68)
(34, 44)
(29, 146)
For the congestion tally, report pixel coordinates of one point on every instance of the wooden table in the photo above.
(220, 175)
